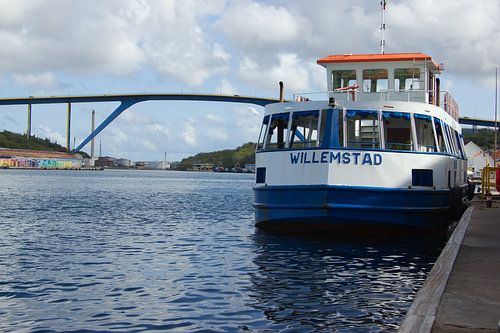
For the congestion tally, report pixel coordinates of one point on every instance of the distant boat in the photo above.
(385, 148)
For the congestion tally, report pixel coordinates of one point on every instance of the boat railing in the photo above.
(445, 101)
(449, 105)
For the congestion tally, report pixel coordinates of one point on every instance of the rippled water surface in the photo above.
(138, 251)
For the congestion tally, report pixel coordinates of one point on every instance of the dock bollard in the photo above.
(489, 200)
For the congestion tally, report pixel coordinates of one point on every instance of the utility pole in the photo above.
(92, 129)
(496, 112)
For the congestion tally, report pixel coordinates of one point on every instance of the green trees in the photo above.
(227, 158)
(484, 137)
(19, 141)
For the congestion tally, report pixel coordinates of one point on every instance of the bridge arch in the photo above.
(126, 101)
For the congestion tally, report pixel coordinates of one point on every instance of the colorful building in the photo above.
(35, 159)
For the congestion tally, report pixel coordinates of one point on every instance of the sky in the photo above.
(244, 47)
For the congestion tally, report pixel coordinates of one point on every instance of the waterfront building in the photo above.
(203, 167)
(104, 162)
(250, 167)
(158, 165)
(477, 158)
(38, 159)
(122, 163)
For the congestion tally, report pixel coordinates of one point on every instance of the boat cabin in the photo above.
(370, 79)
(411, 77)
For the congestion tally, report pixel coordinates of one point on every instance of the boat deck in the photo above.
(462, 291)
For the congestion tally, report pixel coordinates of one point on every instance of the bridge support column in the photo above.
(68, 129)
(92, 151)
(28, 126)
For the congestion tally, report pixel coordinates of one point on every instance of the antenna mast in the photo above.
(382, 26)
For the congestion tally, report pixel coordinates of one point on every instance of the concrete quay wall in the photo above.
(462, 291)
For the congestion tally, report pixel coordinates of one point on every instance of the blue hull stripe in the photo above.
(331, 204)
(362, 207)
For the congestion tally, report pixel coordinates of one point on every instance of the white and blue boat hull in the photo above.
(323, 188)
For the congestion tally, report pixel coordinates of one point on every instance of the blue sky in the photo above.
(60, 47)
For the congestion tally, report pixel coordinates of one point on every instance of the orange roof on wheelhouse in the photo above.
(341, 58)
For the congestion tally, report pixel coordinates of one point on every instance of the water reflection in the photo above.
(327, 282)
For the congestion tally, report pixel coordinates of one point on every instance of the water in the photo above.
(149, 251)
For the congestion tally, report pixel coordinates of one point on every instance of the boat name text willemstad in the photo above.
(336, 157)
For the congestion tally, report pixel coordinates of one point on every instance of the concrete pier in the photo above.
(462, 291)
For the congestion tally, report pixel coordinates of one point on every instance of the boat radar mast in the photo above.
(383, 3)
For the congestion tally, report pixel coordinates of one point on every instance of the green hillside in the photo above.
(19, 141)
(484, 137)
(227, 158)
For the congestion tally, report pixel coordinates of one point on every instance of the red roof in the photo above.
(341, 58)
(34, 153)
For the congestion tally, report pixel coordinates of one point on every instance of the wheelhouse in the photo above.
(409, 77)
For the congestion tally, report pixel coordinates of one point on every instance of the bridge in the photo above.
(127, 100)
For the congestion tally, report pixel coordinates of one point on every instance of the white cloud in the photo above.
(464, 35)
(218, 134)
(119, 136)
(177, 45)
(45, 36)
(115, 37)
(290, 70)
(213, 118)
(226, 88)
(45, 131)
(253, 24)
(188, 134)
(247, 123)
(37, 81)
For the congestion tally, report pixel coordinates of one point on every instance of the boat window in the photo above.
(455, 142)
(458, 139)
(374, 80)
(425, 133)
(406, 79)
(304, 130)
(397, 131)
(363, 129)
(262, 135)
(342, 79)
(278, 129)
(440, 135)
(450, 140)
(453, 137)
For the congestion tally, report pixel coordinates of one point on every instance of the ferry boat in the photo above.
(383, 149)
